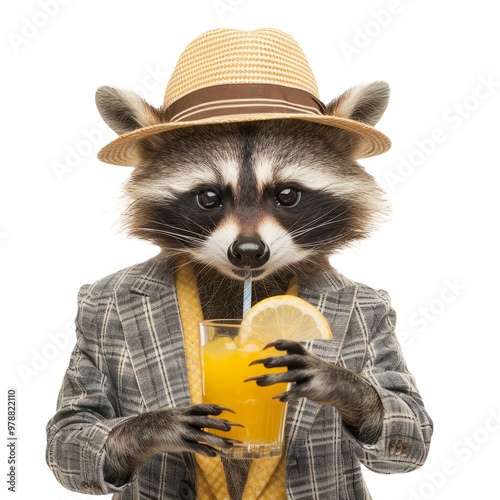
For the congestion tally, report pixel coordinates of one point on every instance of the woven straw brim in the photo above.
(121, 151)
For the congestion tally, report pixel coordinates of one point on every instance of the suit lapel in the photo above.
(153, 333)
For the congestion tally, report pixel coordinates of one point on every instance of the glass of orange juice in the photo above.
(225, 354)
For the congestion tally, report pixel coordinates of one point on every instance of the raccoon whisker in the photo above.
(172, 257)
(191, 220)
(306, 229)
(328, 240)
(173, 252)
(226, 287)
(309, 247)
(318, 218)
(166, 224)
(120, 219)
(164, 231)
(211, 263)
(211, 220)
(317, 252)
(176, 251)
(323, 224)
(305, 225)
(133, 202)
(187, 259)
(176, 235)
(302, 264)
(298, 220)
(180, 214)
(334, 240)
(322, 264)
(182, 250)
(223, 280)
(284, 276)
(265, 287)
(297, 269)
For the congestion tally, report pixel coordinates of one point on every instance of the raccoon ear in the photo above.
(125, 111)
(364, 103)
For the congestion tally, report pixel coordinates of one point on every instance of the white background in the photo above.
(437, 257)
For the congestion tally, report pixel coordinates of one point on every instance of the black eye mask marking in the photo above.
(317, 218)
(179, 222)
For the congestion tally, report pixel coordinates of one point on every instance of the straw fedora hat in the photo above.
(229, 75)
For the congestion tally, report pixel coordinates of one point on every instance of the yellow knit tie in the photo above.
(266, 478)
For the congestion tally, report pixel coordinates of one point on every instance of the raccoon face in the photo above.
(263, 196)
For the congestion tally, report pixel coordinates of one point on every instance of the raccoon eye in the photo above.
(209, 199)
(288, 197)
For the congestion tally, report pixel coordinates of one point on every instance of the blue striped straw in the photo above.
(247, 293)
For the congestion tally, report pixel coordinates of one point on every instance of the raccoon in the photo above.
(273, 197)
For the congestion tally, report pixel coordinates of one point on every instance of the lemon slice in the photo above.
(283, 317)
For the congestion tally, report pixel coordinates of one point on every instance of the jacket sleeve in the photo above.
(407, 428)
(86, 408)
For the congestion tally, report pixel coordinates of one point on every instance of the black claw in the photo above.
(291, 346)
(223, 408)
(273, 344)
(253, 378)
(257, 361)
(279, 396)
(282, 344)
(233, 424)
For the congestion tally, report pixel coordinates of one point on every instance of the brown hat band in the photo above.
(243, 98)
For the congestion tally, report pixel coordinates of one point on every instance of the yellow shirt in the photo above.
(266, 478)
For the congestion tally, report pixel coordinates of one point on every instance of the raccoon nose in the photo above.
(248, 252)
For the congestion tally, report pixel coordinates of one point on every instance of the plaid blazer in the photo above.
(129, 358)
